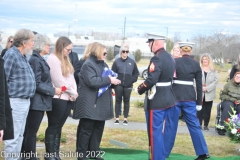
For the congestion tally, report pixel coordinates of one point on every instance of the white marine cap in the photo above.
(182, 44)
(152, 36)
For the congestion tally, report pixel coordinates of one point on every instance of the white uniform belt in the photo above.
(183, 82)
(163, 84)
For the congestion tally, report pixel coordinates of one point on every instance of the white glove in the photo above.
(136, 90)
(198, 107)
(151, 92)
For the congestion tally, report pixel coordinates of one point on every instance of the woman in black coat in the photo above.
(91, 109)
(42, 99)
(6, 121)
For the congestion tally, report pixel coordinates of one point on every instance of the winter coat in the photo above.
(211, 84)
(42, 99)
(127, 71)
(73, 58)
(6, 120)
(77, 69)
(187, 69)
(88, 104)
(231, 92)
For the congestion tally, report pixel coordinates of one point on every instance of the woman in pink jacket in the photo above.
(61, 71)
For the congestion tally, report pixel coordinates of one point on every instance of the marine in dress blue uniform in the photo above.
(189, 101)
(159, 81)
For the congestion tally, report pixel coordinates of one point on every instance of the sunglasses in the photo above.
(125, 51)
(11, 41)
(105, 53)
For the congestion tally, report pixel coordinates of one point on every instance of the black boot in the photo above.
(57, 145)
(49, 145)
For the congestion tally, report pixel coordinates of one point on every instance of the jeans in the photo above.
(20, 108)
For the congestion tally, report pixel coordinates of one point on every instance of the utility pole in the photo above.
(124, 29)
(121, 33)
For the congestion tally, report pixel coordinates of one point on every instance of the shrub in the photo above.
(138, 55)
(139, 104)
(110, 54)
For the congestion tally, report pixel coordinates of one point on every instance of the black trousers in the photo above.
(226, 109)
(58, 116)
(89, 135)
(33, 122)
(205, 113)
(125, 93)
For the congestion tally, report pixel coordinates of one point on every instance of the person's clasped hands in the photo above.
(58, 91)
(114, 80)
(73, 98)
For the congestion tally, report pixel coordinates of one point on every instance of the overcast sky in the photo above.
(166, 17)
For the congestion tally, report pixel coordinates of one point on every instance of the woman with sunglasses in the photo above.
(127, 71)
(8, 45)
(91, 109)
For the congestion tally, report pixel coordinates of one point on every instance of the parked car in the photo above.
(143, 72)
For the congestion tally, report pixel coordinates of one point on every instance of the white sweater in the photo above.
(58, 80)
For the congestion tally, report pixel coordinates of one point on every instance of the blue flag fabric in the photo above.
(106, 72)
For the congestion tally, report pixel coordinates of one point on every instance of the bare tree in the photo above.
(219, 45)
(177, 37)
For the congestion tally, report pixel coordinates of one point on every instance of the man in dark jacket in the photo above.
(73, 58)
(6, 122)
(74, 61)
(159, 81)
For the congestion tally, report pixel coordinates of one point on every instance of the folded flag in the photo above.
(106, 72)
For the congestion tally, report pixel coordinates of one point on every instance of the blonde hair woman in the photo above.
(209, 82)
(176, 51)
(91, 109)
(61, 71)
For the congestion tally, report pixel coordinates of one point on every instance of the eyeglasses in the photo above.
(105, 53)
(125, 51)
(69, 50)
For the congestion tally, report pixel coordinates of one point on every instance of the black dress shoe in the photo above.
(202, 157)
